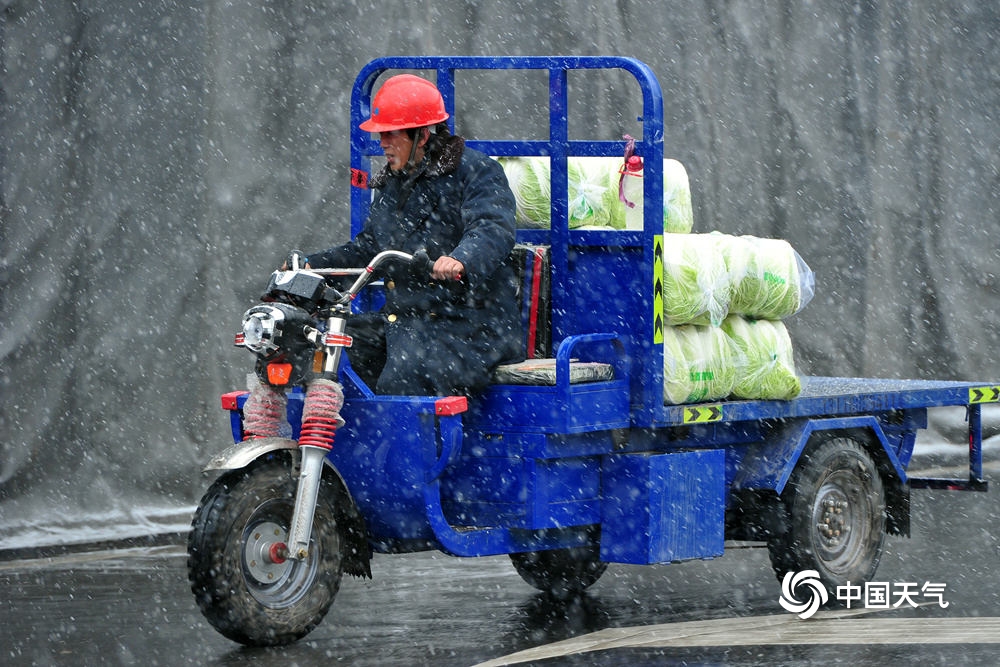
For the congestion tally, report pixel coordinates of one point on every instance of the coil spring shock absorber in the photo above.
(321, 414)
(264, 411)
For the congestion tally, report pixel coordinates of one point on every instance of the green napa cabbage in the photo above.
(709, 276)
(700, 363)
(772, 281)
(592, 184)
(768, 370)
(593, 193)
(532, 187)
(678, 215)
(696, 280)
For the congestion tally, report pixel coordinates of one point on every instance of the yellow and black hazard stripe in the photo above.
(658, 317)
(989, 394)
(702, 414)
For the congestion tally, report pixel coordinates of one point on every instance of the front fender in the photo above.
(246, 452)
(357, 552)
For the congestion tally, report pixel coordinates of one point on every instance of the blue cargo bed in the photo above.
(828, 396)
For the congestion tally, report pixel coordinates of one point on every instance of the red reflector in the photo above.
(279, 374)
(342, 340)
(240, 340)
(230, 401)
(451, 405)
(359, 178)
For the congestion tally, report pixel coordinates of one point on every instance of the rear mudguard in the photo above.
(357, 551)
(768, 466)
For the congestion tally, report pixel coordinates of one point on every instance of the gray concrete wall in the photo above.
(160, 157)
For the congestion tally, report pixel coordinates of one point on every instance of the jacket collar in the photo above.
(441, 162)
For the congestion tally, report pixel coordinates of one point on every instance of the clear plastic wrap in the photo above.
(264, 410)
(593, 193)
(710, 276)
(773, 281)
(768, 365)
(696, 279)
(700, 363)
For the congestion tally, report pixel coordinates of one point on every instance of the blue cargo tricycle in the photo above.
(568, 467)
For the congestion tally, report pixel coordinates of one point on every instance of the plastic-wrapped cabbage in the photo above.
(735, 252)
(532, 187)
(769, 367)
(699, 364)
(696, 279)
(678, 215)
(772, 281)
(593, 193)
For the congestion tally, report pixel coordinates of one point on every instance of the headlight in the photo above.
(261, 328)
(270, 327)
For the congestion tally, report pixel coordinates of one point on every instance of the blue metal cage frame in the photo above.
(586, 250)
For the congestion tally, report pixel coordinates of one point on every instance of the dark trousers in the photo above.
(426, 355)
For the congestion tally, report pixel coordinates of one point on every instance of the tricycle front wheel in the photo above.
(244, 585)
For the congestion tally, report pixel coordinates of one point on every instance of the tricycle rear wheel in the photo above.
(243, 584)
(836, 513)
(561, 573)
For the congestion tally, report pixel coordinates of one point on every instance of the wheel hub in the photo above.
(265, 553)
(833, 523)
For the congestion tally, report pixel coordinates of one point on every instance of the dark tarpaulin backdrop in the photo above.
(160, 157)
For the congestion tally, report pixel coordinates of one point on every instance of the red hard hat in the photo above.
(405, 101)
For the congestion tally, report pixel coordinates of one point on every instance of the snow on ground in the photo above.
(114, 526)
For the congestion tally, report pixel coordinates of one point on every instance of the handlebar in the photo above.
(420, 260)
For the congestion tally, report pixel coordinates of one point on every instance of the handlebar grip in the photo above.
(421, 262)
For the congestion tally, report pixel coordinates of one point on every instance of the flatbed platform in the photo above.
(833, 396)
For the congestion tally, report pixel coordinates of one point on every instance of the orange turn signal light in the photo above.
(279, 374)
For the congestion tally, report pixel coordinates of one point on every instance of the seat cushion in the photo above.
(543, 372)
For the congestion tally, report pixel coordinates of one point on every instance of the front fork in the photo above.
(310, 473)
(320, 420)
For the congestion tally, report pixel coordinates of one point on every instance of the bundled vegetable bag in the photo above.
(700, 363)
(532, 187)
(696, 280)
(678, 215)
(771, 280)
(709, 276)
(593, 193)
(768, 370)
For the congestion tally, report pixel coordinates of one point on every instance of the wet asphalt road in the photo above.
(133, 606)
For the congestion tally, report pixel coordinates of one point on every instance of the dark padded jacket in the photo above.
(459, 204)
